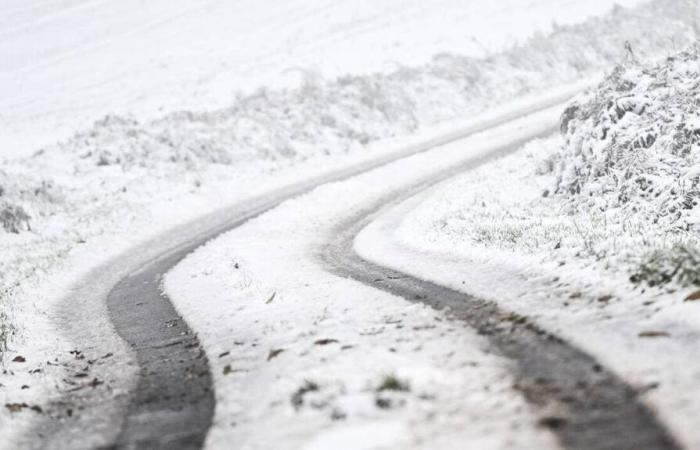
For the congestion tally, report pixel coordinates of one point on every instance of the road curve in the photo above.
(586, 406)
(172, 404)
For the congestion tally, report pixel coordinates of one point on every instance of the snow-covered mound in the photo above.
(633, 142)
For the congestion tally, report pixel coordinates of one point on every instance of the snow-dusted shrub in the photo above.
(633, 143)
(13, 218)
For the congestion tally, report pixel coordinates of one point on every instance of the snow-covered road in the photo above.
(154, 414)
(175, 274)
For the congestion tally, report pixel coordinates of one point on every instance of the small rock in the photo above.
(553, 422)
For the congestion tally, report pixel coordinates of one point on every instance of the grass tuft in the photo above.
(392, 383)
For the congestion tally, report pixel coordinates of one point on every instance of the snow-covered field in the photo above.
(146, 115)
(66, 63)
(592, 233)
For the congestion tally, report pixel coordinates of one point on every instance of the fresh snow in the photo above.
(172, 140)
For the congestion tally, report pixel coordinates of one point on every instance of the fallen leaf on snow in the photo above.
(651, 334)
(274, 352)
(272, 297)
(227, 369)
(693, 296)
(17, 407)
(326, 341)
(19, 359)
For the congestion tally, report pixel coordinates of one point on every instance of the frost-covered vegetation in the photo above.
(103, 179)
(634, 143)
(632, 149)
(617, 190)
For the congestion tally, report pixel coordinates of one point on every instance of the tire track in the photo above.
(586, 406)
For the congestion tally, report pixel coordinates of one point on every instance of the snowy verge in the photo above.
(298, 355)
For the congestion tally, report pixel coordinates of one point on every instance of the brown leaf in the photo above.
(653, 334)
(326, 341)
(274, 352)
(693, 296)
(19, 359)
(16, 407)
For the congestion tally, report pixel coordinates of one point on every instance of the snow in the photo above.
(172, 140)
(559, 243)
(63, 64)
(260, 288)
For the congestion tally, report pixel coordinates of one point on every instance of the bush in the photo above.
(14, 218)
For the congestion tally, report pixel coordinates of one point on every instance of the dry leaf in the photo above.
(16, 407)
(693, 296)
(273, 353)
(651, 334)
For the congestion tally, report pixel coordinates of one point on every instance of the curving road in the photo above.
(171, 404)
